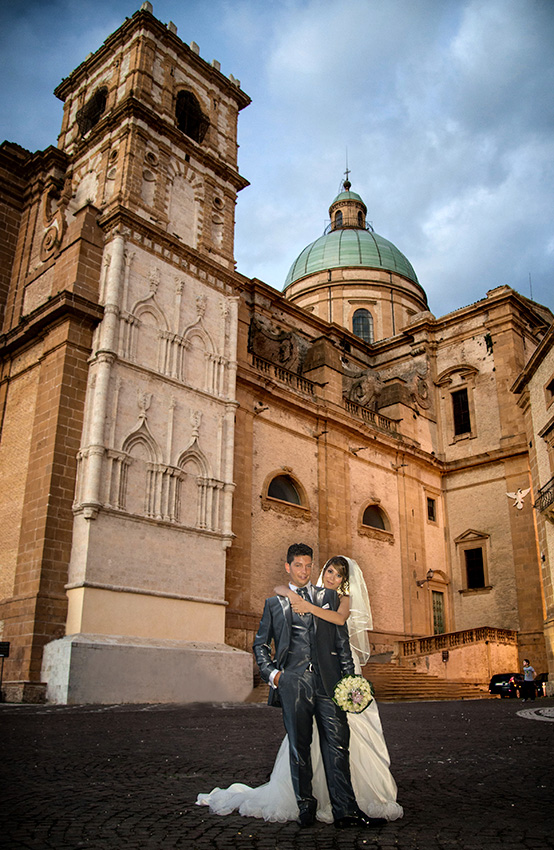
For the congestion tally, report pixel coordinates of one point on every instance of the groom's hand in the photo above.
(276, 679)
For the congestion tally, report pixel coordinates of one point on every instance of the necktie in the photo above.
(304, 593)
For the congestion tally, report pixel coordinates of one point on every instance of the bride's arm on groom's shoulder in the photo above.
(338, 617)
(298, 603)
(302, 606)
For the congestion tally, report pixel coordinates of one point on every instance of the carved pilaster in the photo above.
(102, 367)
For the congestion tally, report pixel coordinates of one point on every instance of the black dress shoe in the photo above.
(371, 823)
(347, 822)
(305, 819)
(360, 821)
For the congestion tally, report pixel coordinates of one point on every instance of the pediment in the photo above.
(471, 535)
(464, 370)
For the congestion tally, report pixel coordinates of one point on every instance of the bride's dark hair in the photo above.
(341, 566)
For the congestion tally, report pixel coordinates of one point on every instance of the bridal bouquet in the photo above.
(353, 693)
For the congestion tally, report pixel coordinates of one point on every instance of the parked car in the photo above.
(505, 684)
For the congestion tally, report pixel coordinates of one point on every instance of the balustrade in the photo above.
(370, 416)
(452, 640)
(545, 496)
(284, 376)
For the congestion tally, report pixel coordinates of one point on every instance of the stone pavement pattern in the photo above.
(471, 775)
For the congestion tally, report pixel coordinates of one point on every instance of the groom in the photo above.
(311, 655)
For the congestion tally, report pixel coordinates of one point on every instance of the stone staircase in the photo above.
(400, 684)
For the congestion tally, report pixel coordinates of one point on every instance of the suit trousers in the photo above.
(302, 698)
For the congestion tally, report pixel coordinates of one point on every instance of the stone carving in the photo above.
(519, 497)
(281, 347)
(420, 392)
(376, 534)
(144, 400)
(154, 281)
(201, 304)
(408, 385)
(296, 511)
(54, 204)
(364, 390)
(196, 421)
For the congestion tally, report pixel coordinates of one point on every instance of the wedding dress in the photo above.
(373, 784)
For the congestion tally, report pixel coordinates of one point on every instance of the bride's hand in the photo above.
(298, 603)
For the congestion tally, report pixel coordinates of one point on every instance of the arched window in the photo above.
(374, 517)
(338, 219)
(190, 118)
(283, 488)
(360, 219)
(92, 111)
(362, 325)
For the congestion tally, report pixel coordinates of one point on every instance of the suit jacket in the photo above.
(334, 657)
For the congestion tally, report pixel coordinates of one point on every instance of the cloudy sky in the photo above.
(446, 109)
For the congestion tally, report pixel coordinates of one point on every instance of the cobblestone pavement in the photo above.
(474, 775)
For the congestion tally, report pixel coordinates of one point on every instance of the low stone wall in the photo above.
(475, 662)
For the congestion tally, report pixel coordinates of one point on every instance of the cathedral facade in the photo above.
(169, 426)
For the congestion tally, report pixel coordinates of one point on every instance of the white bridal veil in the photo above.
(360, 619)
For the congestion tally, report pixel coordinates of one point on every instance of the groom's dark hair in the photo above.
(298, 549)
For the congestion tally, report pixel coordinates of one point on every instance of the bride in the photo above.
(373, 784)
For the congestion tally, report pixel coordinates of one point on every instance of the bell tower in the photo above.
(150, 137)
(151, 129)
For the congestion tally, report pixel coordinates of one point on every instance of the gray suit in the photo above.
(312, 656)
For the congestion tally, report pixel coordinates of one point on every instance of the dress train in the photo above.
(373, 784)
(372, 781)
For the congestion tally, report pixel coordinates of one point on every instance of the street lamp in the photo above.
(428, 577)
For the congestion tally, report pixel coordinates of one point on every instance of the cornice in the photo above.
(491, 457)
(26, 169)
(14, 158)
(63, 305)
(493, 301)
(141, 230)
(397, 284)
(40, 160)
(535, 360)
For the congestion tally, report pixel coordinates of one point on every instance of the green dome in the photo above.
(347, 248)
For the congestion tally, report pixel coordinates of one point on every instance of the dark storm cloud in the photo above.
(445, 106)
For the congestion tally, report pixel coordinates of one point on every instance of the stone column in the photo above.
(105, 356)
(229, 429)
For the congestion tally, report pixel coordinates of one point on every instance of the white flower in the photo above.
(353, 693)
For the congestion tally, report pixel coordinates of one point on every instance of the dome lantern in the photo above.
(347, 210)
